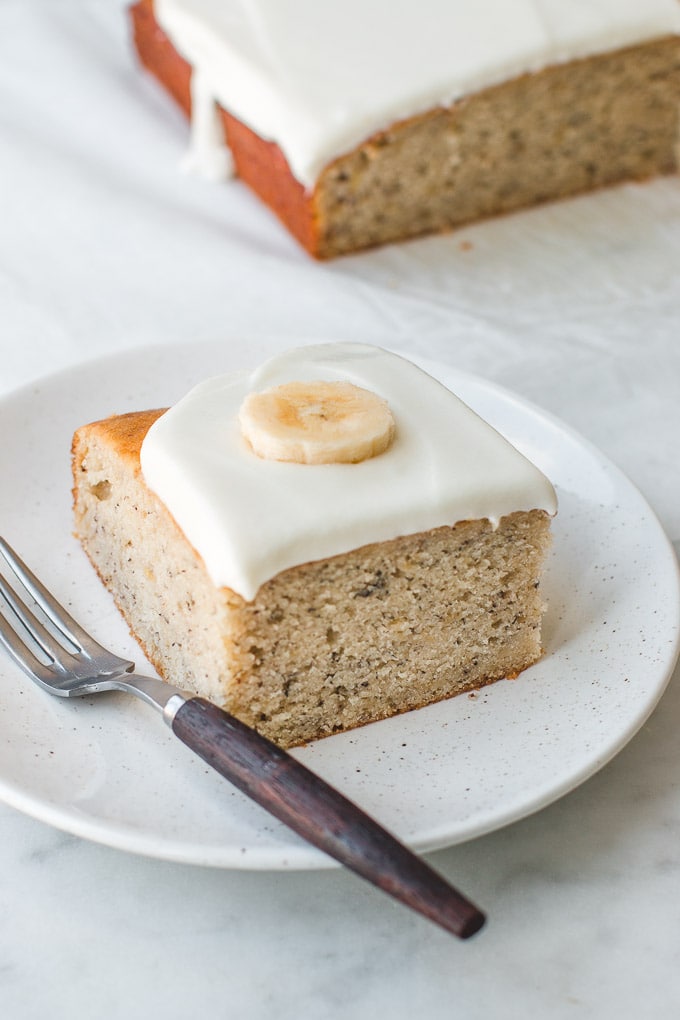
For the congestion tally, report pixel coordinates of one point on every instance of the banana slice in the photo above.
(316, 423)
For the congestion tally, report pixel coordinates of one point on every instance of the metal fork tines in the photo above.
(54, 650)
(69, 657)
(49, 645)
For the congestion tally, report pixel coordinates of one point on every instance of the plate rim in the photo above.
(304, 857)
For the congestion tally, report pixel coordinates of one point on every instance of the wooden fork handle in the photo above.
(320, 814)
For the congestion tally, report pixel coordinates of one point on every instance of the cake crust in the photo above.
(257, 162)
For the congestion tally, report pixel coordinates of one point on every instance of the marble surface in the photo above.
(104, 246)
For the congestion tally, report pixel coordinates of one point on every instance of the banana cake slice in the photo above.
(324, 542)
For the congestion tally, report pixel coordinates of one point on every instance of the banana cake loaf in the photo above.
(360, 123)
(322, 543)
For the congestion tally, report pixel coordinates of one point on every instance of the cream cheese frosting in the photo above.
(319, 78)
(250, 518)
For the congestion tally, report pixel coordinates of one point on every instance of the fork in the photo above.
(63, 659)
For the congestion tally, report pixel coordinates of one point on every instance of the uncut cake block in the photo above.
(357, 133)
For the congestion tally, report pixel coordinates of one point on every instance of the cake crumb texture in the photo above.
(569, 129)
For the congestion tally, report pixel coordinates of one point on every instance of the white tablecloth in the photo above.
(105, 246)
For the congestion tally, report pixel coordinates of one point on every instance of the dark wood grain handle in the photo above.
(320, 814)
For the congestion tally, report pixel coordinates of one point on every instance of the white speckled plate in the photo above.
(108, 769)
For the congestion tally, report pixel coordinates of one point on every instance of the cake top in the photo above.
(250, 517)
(320, 78)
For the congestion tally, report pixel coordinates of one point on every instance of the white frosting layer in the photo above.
(319, 78)
(249, 518)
